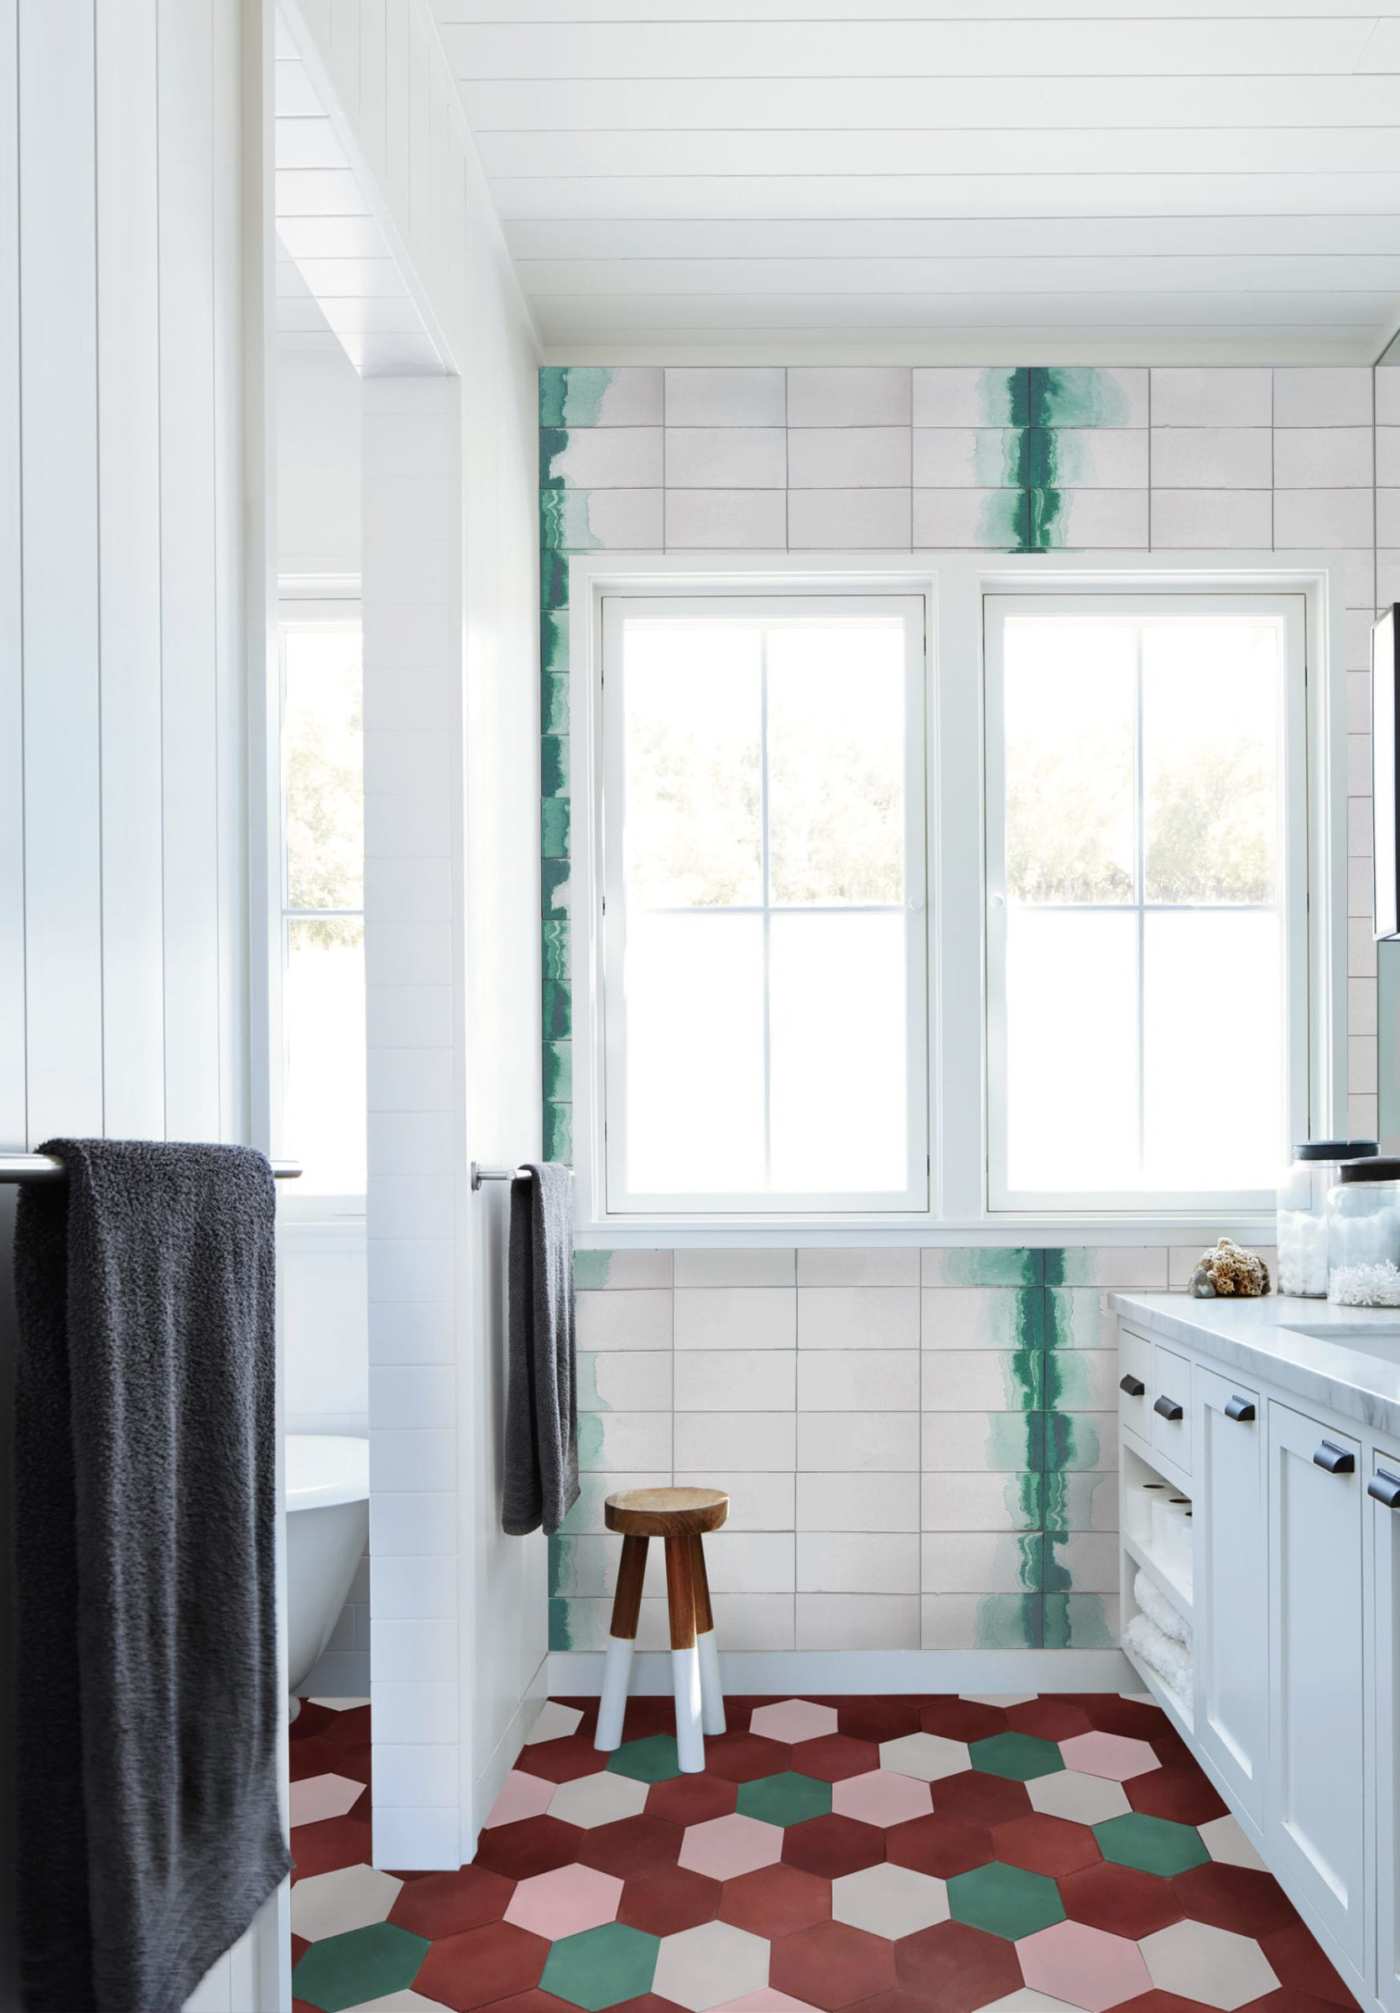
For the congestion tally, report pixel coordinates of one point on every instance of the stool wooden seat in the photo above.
(680, 1517)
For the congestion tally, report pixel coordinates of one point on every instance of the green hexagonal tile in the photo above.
(1151, 1844)
(361, 1964)
(601, 1967)
(1005, 1900)
(1020, 1757)
(785, 1799)
(650, 1760)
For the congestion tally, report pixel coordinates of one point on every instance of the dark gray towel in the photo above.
(541, 1452)
(146, 1522)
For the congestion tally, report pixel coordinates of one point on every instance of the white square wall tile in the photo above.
(964, 396)
(625, 1380)
(981, 1502)
(621, 1442)
(975, 1562)
(724, 519)
(726, 457)
(1322, 395)
(883, 1265)
(1116, 518)
(857, 1442)
(835, 1380)
(412, 1521)
(1388, 535)
(1361, 1006)
(858, 1317)
(411, 1459)
(1387, 395)
(413, 1711)
(1212, 457)
(415, 1588)
(847, 395)
(845, 1562)
(1212, 397)
(607, 457)
(857, 1621)
(726, 396)
(414, 1651)
(418, 1836)
(750, 1562)
(845, 1502)
(1324, 517)
(831, 520)
(1388, 455)
(757, 1267)
(720, 1380)
(1198, 519)
(412, 1331)
(755, 1621)
(757, 1502)
(414, 1395)
(735, 1442)
(413, 1775)
(638, 1319)
(848, 457)
(736, 1317)
(979, 520)
(1322, 457)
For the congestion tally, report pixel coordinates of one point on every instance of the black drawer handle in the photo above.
(1168, 1407)
(1385, 1488)
(1336, 1460)
(1134, 1386)
(1240, 1409)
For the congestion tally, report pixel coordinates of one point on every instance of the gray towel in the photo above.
(541, 1452)
(146, 1504)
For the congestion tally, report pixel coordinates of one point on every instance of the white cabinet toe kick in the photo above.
(1259, 1517)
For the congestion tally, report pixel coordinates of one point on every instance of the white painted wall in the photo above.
(318, 459)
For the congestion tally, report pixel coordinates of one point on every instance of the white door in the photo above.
(1231, 1586)
(1383, 1487)
(1314, 1806)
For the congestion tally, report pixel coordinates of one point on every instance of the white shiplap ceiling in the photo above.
(930, 178)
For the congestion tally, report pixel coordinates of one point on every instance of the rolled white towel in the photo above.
(1158, 1608)
(1169, 1659)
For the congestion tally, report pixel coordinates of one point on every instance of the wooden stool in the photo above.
(681, 1517)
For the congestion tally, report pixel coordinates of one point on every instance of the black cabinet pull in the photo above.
(1336, 1460)
(1168, 1407)
(1240, 1409)
(1134, 1386)
(1385, 1488)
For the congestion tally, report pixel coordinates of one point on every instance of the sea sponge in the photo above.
(1229, 1270)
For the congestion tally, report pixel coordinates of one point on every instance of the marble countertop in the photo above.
(1339, 1370)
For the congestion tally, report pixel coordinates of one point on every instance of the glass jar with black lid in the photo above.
(1302, 1212)
(1363, 1234)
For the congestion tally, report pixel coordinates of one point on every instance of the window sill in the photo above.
(1121, 1227)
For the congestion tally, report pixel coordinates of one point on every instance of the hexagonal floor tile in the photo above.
(1177, 1790)
(961, 1719)
(833, 1756)
(652, 1759)
(1234, 1897)
(601, 1967)
(480, 1967)
(831, 1846)
(1056, 1719)
(928, 1756)
(1027, 2000)
(956, 1968)
(1049, 1845)
(939, 1845)
(316, 1797)
(784, 1799)
(1002, 1700)
(982, 1799)
(1020, 1757)
(775, 1901)
(881, 1797)
(1225, 1841)
(535, 1845)
(890, 1901)
(1084, 1966)
(793, 1719)
(1083, 1799)
(1215, 1966)
(1004, 1900)
(1113, 1755)
(361, 1964)
(1121, 1900)
(445, 1904)
(521, 1796)
(1152, 1844)
(743, 1757)
(692, 1799)
(327, 1904)
(631, 1845)
(703, 1967)
(766, 2001)
(725, 1847)
(668, 1899)
(562, 1759)
(564, 1902)
(590, 1800)
(554, 1722)
(833, 1965)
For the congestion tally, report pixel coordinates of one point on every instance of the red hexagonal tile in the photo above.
(979, 1798)
(961, 1719)
(939, 1845)
(1297, 1956)
(480, 1967)
(630, 1845)
(875, 1718)
(446, 1904)
(1049, 1718)
(313, 1756)
(331, 1844)
(831, 1965)
(533, 1845)
(831, 1846)
(745, 1757)
(959, 1968)
(692, 1799)
(776, 1900)
(648, 2003)
(898, 2001)
(1050, 1845)
(832, 1757)
(1234, 1897)
(537, 2002)
(668, 1899)
(1121, 1900)
(562, 1760)
(1112, 1714)
(1285, 2000)
(1178, 1791)
(646, 1716)
(1159, 2002)
(310, 1720)
(300, 1946)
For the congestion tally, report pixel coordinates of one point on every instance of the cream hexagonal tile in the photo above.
(881, 1797)
(1004, 1699)
(890, 1901)
(520, 1795)
(317, 1797)
(701, 1968)
(927, 1756)
(767, 2001)
(327, 1904)
(1224, 1840)
(1215, 1966)
(1027, 2001)
(793, 1719)
(339, 1704)
(554, 1723)
(1083, 1799)
(603, 1798)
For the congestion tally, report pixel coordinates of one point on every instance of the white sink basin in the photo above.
(1379, 1338)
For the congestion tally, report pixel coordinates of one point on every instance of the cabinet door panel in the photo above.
(1135, 1389)
(1231, 1584)
(1314, 1802)
(1385, 1521)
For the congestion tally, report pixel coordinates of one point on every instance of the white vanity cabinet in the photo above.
(1383, 1508)
(1232, 1595)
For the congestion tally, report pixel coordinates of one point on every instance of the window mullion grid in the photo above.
(767, 909)
(1140, 896)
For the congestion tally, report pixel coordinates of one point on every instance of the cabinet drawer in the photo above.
(1135, 1383)
(1170, 1416)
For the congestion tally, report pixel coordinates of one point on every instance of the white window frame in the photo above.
(914, 1197)
(1002, 1198)
(954, 585)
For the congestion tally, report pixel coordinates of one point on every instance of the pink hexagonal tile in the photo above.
(319, 1796)
(881, 1797)
(725, 1847)
(766, 2001)
(1112, 1755)
(521, 1796)
(564, 1902)
(793, 1719)
(1085, 1966)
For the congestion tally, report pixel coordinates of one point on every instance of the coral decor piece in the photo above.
(1230, 1270)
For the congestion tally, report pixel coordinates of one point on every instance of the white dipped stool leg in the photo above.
(707, 1643)
(617, 1668)
(685, 1657)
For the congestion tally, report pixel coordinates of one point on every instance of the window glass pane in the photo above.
(323, 1031)
(836, 699)
(839, 1041)
(1069, 712)
(692, 836)
(323, 765)
(694, 1058)
(1071, 1050)
(1212, 692)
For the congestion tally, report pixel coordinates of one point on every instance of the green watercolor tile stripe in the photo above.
(572, 394)
(554, 889)
(557, 1070)
(559, 1132)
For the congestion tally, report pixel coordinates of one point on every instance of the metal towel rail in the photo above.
(46, 1167)
(480, 1173)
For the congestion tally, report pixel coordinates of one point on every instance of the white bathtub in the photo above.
(327, 1523)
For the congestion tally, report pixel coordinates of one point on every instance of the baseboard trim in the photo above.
(490, 1778)
(579, 1673)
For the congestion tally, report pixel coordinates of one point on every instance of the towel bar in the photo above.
(480, 1173)
(44, 1167)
